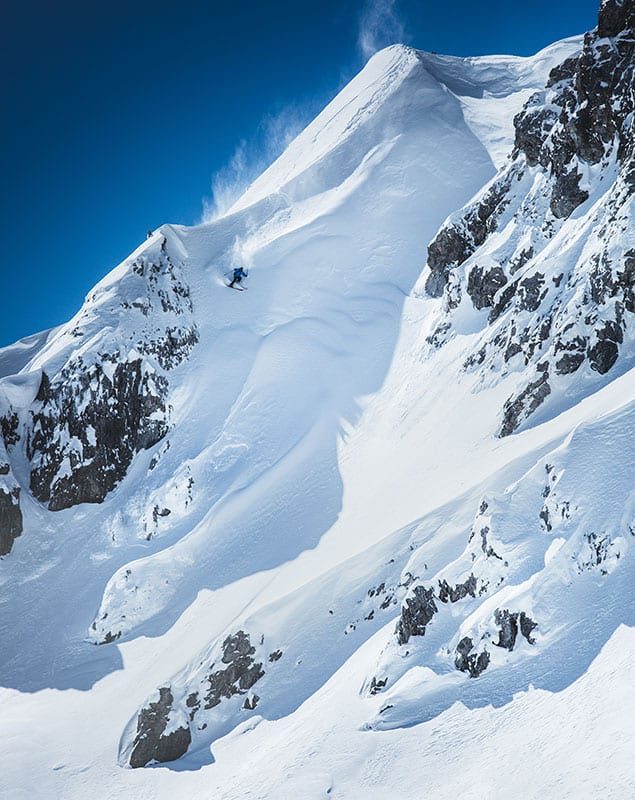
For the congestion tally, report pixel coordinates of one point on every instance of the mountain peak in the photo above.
(363, 508)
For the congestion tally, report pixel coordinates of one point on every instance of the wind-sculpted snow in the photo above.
(270, 662)
(547, 250)
(540, 553)
(328, 275)
(545, 574)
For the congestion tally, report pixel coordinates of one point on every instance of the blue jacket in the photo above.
(239, 272)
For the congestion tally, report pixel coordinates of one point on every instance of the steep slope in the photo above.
(292, 502)
(542, 262)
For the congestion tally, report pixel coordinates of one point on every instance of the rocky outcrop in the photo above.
(10, 516)
(457, 592)
(154, 740)
(457, 241)
(88, 425)
(92, 417)
(240, 673)
(520, 406)
(554, 310)
(11, 524)
(509, 623)
(165, 728)
(482, 285)
(467, 659)
(416, 613)
(603, 354)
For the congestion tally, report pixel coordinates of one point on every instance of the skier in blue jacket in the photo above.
(239, 274)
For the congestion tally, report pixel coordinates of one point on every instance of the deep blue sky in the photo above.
(117, 115)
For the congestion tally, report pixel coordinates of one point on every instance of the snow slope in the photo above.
(292, 465)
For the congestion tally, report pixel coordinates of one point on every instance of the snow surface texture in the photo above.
(277, 535)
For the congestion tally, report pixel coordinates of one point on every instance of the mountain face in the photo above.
(547, 249)
(365, 527)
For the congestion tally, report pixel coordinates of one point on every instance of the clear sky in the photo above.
(120, 115)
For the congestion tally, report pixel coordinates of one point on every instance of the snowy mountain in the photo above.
(364, 528)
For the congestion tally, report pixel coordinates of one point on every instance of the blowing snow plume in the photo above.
(379, 26)
(253, 155)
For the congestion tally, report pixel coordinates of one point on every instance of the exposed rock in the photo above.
(9, 427)
(567, 194)
(509, 624)
(597, 550)
(377, 685)
(527, 625)
(482, 285)
(240, 674)
(508, 630)
(10, 518)
(416, 612)
(603, 354)
(615, 16)
(106, 404)
(531, 126)
(518, 408)
(193, 702)
(467, 660)
(530, 292)
(456, 242)
(251, 703)
(87, 427)
(457, 592)
(574, 356)
(584, 116)
(151, 742)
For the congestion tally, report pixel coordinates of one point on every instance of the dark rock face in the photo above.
(457, 592)
(251, 703)
(151, 742)
(377, 685)
(482, 285)
(531, 127)
(527, 625)
(567, 194)
(566, 311)
(603, 354)
(599, 548)
(467, 660)
(235, 673)
(518, 408)
(10, 517)
(615, 16)
(456, 242)
(573, 359)
(416, 612)
(87, 427)
(530, 292)
(9, 428)
(509, 624)
(90, 419)
(240, 674)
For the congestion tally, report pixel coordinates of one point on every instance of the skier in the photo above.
(239, 274)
